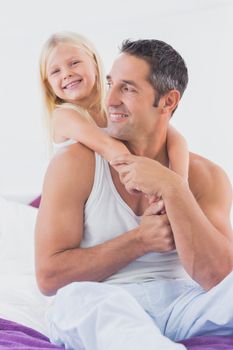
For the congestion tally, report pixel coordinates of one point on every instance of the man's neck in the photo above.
(155, 149)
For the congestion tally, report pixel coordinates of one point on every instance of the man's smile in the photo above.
(118, 117)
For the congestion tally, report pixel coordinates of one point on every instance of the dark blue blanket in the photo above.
(14, 336)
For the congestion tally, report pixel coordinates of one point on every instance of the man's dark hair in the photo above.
(168, 70)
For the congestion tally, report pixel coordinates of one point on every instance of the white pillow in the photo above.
(22, 302)
(20, 298)
(17, 223)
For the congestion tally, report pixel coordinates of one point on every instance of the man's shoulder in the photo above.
(71, 171)
(74, 160)
(202, 165)
(73, 154)
(205, 175)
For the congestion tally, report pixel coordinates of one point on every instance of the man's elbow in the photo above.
(216, 277)
(46, 282)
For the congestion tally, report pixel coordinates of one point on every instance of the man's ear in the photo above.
(169, 102)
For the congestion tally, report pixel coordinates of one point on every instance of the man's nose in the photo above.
(113, 97)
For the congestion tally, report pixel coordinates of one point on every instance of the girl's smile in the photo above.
(71, 74)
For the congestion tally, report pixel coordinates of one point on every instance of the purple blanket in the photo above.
(209, 343)
(14, 336)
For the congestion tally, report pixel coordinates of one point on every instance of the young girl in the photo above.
(73, 87)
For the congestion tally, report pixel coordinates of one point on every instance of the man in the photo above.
(90, 228)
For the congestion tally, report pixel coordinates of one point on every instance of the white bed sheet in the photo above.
(20, 298)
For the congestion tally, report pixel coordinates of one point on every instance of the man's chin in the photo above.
(111, 132)
(116, 134)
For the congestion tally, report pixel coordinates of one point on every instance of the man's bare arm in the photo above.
(59, 229)
(200, 224)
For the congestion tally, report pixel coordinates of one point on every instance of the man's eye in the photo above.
(128, 89)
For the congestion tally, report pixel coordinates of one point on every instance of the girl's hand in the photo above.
(143, 174)
(156, 206)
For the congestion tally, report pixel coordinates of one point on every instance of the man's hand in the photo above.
(155, 230)
(143, 174)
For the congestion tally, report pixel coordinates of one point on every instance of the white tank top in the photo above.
(108, 216)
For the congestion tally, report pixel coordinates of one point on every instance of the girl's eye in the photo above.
(75, 62)
(55, 71)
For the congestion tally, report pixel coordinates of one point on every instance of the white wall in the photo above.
(201, 30)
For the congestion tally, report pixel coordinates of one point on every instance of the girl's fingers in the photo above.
(122, 159)
(155, 208)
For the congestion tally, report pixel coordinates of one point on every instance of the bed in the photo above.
(22, 306)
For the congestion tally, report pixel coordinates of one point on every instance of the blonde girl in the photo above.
(73, 89)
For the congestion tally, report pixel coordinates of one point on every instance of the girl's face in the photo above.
(71, 74)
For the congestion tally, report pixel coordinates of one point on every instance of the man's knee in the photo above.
(83, 296)
(78, 290)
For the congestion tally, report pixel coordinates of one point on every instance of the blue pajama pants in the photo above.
(139, 316)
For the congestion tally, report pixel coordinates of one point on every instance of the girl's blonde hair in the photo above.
(51, 101)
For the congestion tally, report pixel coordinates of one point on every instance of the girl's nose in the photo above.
(66, 73)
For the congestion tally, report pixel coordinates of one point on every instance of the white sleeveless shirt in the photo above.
(108, 216)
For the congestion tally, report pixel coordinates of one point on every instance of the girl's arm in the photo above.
(69, 124)
(178, 152)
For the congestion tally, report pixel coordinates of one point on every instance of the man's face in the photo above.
(130, 99)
